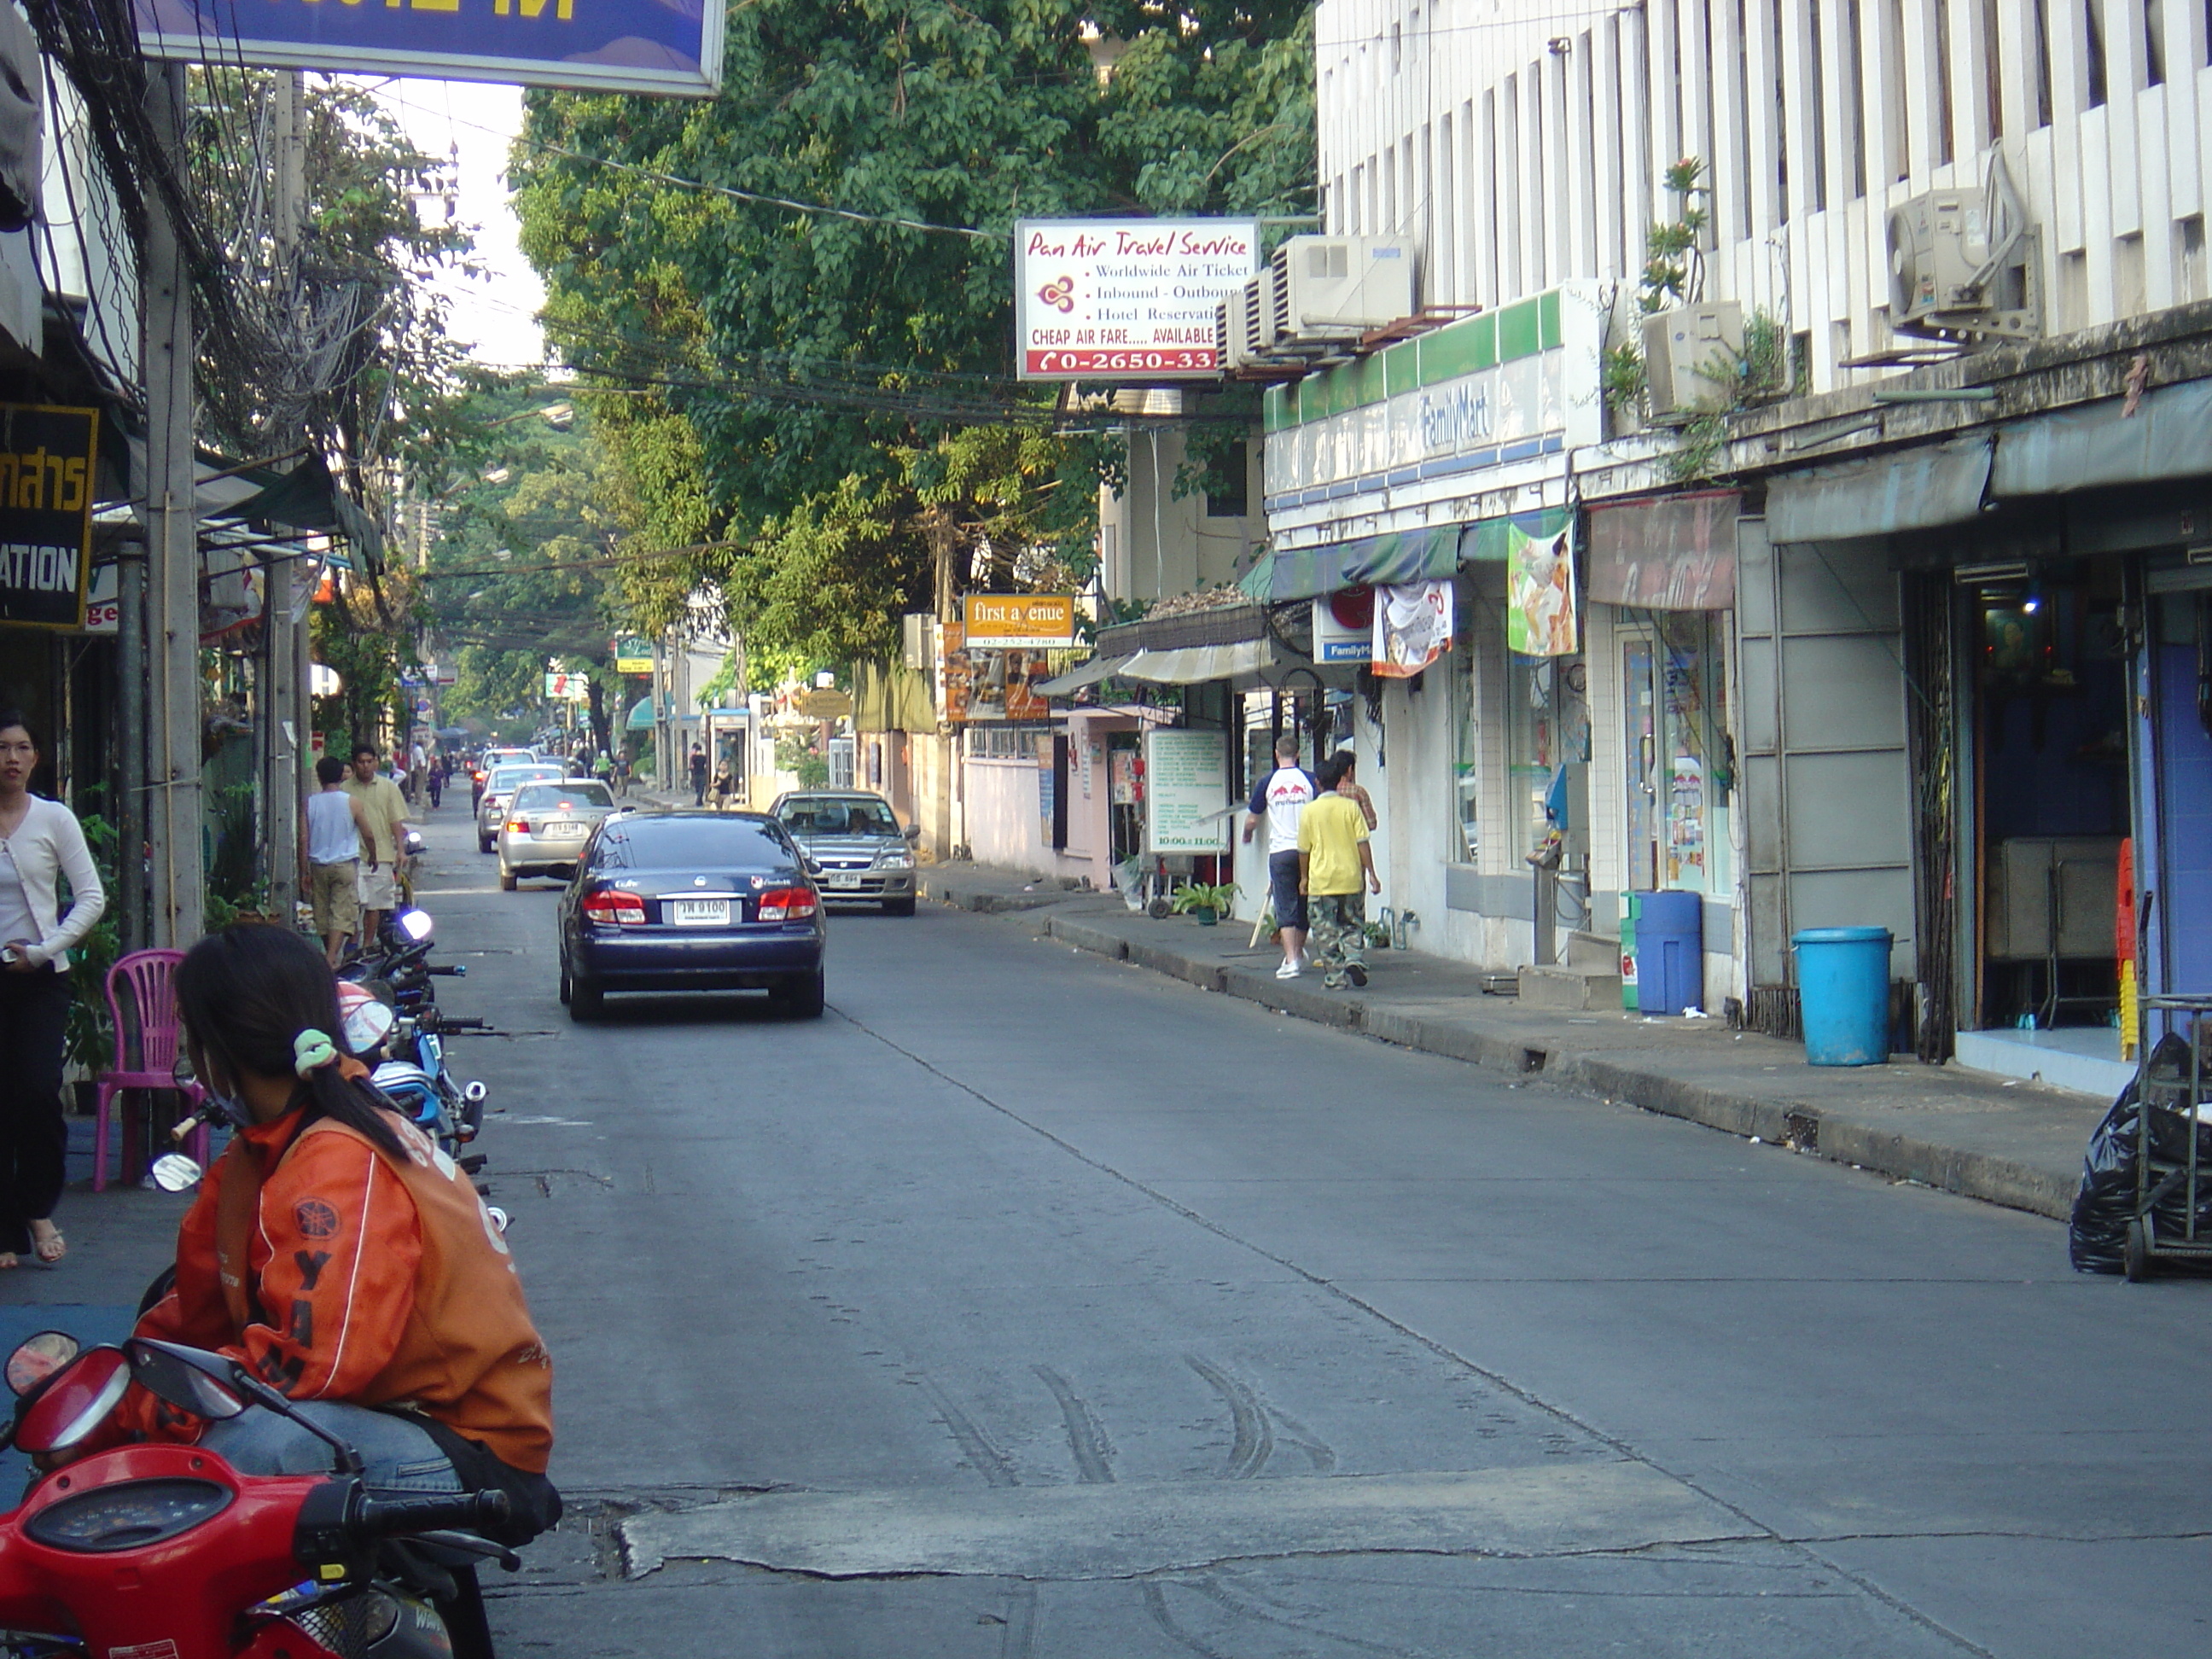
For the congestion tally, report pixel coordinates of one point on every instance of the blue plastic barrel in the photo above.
(1670, 952)
(1843, 993)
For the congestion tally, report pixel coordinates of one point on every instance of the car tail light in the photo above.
(787, 904)
(518, 826)
(623, 909)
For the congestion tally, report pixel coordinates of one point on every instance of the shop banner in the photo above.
(1413, 628)
(667, 46)
(1541, 613)
(981, 680)
(1676, 553)
(47, 467)
(567, 688)
(1187, 791)
(1019, 622)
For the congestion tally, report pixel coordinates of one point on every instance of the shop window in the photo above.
(1547, 726)
(1465, 838)
(1235, 469)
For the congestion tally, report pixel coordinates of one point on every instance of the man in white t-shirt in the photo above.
(336, 829)
(1278, 799)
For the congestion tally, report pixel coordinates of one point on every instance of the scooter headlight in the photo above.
(128, 1517)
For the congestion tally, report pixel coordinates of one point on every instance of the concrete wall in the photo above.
(1154, 545)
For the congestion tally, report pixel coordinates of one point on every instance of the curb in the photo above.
(1801, 1126)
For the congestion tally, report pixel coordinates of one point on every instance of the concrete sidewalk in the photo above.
(2018, 1145)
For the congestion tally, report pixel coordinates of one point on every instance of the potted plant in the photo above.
(1207, 904)
(89, 1036)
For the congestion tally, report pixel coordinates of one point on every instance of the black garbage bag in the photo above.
(2096, 1235)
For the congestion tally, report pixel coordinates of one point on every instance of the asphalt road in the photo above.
(1029, 1304)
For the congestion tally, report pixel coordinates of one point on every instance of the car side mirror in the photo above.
(912, 832)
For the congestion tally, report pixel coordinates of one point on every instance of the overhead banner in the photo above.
(1541, 618)
(672, 47)
(1674, 553)
(1126, 300)
(47, 471)
(1413, 628)
(567, 688)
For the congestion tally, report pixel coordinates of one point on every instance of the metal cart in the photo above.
(2171, 1132)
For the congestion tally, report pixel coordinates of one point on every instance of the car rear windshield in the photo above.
(686, 843)
(558, 797)
(506, 777)
(839, 817)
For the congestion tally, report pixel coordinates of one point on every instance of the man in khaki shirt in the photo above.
(384, 810)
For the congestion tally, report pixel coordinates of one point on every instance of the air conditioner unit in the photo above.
(917, 641)
(1260, 313)
(1229, 350)
(1336, 287)
(1692, 356)
(1963, 263)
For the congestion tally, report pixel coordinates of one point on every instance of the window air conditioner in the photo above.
(1691, 356)
(1336, 287)
(1260, 313)
(1230, 351)
(1963, 263)
(918, 639)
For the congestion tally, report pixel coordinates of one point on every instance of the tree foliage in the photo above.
(829, 399)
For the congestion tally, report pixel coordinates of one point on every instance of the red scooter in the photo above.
(165, 1552)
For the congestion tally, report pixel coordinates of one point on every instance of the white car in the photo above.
(544, 829)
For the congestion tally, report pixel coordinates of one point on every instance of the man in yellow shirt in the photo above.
(1336, 871)
(385, 809)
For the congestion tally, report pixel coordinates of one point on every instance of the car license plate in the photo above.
(699, 913)
(565, 832)
(837, 879)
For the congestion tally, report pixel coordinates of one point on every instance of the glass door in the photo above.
(1673, 700)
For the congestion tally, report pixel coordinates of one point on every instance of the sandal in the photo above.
(51, 1247)
(7, 1260)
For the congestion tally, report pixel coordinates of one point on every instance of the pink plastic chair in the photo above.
(145, 982)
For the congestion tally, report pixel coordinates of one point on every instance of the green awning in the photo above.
(640, 715)
(1488, 541)
(308, 498)
(1397, 556)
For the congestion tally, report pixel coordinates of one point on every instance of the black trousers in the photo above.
(33, 1139)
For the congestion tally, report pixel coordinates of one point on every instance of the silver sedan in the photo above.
(499, 789)
(545, 827)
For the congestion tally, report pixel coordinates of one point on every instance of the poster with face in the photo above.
(1541, 609)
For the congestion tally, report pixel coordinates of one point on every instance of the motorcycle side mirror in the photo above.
(187, 1378)
(37, 1358)
(75, 1401)
(173, 1172)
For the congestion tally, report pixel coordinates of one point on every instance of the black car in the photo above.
(691, 901)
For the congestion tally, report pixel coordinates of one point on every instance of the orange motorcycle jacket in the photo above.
(338, 1272)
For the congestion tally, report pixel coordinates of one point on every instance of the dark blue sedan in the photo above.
(691, 901)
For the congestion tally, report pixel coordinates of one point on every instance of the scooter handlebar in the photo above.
(394, 1517)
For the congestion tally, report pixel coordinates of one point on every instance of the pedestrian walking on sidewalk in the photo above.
(387, 814)
(40, 844)
(336, 830)
(698, 775)
(621, 773)
(1278, 801)
(437, 778)
(1336, 871)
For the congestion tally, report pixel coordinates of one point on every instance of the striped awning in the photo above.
(1083, 674)
(1399, 556)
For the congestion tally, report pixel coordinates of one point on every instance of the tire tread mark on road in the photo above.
(987, 1460)
(1252, 1435)
(1212, 1590)
(1156, 1602)
(1019, 1640)
(1317, 1451)
(1443, 1350)
(1085, 1439)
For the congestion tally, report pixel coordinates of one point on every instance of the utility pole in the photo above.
(173, 563)
(131, 737)
(283, 681)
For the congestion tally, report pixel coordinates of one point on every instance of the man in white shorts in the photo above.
(385, 809)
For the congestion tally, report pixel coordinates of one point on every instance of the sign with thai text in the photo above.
(1026, 621)
(1125, 299)
(1187, 791)
(46, 477)
(667, 46)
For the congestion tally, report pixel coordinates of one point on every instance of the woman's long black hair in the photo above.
(245, 993)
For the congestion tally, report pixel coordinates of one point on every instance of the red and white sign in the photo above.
(1125, 299)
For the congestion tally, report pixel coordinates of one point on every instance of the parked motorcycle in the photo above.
(166, 1550)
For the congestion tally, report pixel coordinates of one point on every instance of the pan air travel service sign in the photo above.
(1129, 299)
(668, 46)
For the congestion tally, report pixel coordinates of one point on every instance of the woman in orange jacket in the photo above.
(336, 1251)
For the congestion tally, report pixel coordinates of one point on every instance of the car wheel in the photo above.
(801, 996)
(506, 880)
(898, 907)
(483, 843)
(586, 1002)
(564, 987)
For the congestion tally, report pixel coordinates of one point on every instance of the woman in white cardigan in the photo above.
(40, 842)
